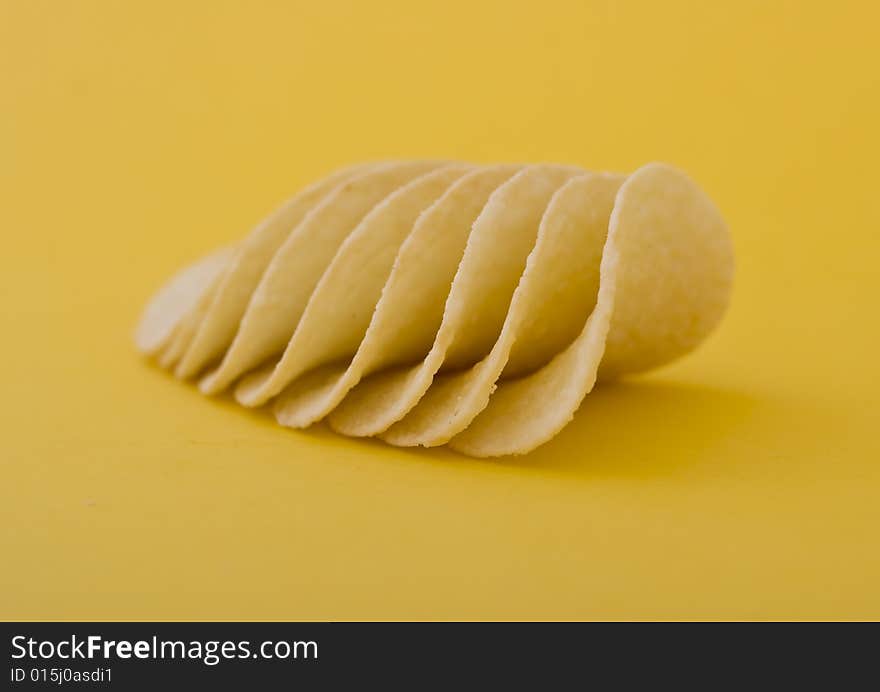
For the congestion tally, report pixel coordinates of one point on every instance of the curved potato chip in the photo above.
(177, 297)
(220, 322)
(187, 326)
(410, 309)
(555, 293)
(281, 296)
(665, 281)
(676, 273)
(339, 311)
(189, 321)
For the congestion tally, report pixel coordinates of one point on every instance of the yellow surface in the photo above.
(742, 482)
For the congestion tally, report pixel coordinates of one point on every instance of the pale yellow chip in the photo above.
(176, 299)
(281, 296)
(188, 325)
(220, 321)
(665, 281)
(410, 309)
(338, 312)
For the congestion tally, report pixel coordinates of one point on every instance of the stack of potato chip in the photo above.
(431, 303)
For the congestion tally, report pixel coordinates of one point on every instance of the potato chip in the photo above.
(431, 303)
(175, 299)
(188, 325)
(665, 281)
(410, 309)
(285, 287)
(338, 312)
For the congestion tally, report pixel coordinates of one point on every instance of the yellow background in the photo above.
(741, 482)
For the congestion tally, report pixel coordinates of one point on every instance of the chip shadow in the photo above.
(644, 427)
(633, 428)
